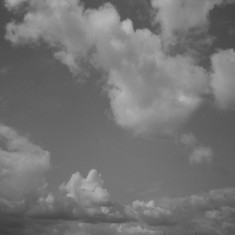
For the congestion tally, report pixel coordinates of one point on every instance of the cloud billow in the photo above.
(150, 92)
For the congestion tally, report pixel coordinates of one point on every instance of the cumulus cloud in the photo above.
(148, 90)
(198, 153)
(82, 199)
(86, 201)
(22, 165)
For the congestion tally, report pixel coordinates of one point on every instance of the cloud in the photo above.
(207, 213)
(201, 155)
(149, 91)
(135, 230)
(22, 165)
(82, 199)
(222, 83)
(151, 214)
(181, 16)
(198, 153)
(84, 206)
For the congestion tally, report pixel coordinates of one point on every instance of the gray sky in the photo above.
(117, 117)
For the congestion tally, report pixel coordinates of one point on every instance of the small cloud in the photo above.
(199, 154)
(152, 214)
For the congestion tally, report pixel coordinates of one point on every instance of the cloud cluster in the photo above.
(86, 201)
(149, 91)
(207, 213)
(82, 199)
(198, 153)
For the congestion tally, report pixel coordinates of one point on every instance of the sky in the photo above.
(117, 117)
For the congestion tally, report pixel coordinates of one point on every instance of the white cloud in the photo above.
(82, 199)
(223, 82)
(87, 191)
(149, 92)
(198, 153)
(22, 165)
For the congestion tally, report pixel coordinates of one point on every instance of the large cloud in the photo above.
(148, 90)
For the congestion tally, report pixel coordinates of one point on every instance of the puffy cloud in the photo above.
(223, 83)
(86, 201)
(82, 199)
(22, 165)
(87, 191)
(149, 91)
(198, 153)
